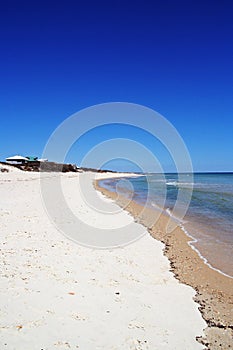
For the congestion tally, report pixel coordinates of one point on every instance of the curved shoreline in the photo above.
(194, 240)
(213, 288)
(181, 225)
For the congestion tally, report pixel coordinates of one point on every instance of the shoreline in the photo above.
(205, 260)
(213, 288)
(180, 224)
(56, 293)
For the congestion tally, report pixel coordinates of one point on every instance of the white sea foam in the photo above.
(172, 183)
(179, 184)
(194, 240)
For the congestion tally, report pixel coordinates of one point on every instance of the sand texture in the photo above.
(56, 294)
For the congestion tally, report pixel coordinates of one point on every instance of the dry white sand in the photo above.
(56, 294)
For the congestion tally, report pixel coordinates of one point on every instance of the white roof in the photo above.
(42, 160)
(16, 158)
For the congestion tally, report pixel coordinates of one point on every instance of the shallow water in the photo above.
(209, 216)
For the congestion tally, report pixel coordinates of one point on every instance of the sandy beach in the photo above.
(57, 294)
(214, 291)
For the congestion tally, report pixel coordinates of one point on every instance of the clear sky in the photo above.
(176, 57)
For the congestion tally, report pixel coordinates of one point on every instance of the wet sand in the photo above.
(214, 291)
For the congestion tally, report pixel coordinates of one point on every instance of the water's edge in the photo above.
(213, 288)
(181, 224)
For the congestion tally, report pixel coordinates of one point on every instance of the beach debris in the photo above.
(61, 343)
(137, 344)
(133, 325)
(19, 327)
(79, 317)
(71, 293)
(4, 170)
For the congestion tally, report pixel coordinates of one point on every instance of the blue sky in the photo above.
(173, 56)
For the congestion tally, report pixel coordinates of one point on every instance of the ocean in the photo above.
(208, 199)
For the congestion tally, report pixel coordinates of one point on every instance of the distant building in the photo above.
(17, 160)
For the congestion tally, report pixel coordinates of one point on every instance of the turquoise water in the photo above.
(209, 216)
